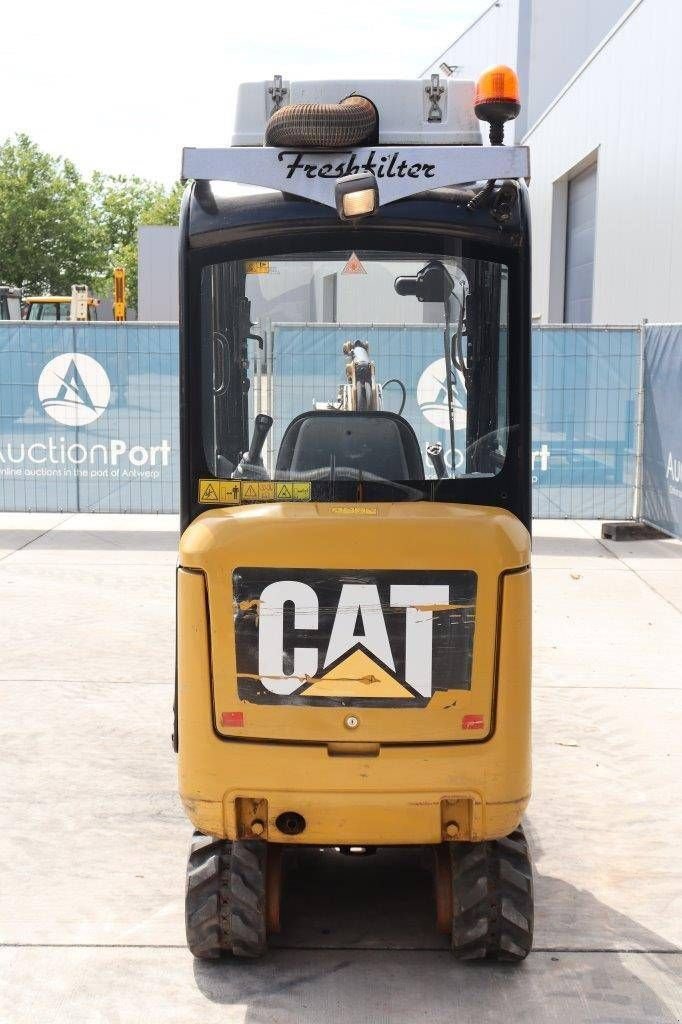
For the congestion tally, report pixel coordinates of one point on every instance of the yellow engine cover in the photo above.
(397, 635)
(317, 609)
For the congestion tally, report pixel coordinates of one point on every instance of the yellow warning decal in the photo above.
(219, 492)
(209, 492)
(233, 492)
(230, 492)
(258, 266)
(301, 491)
(249, 490)
(266, 490)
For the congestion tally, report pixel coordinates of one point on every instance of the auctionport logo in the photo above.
(432, 396)
(74, 389)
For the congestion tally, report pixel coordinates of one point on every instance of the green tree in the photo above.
(57, 229)
(123, 205)
(50, 236)
(120, 201)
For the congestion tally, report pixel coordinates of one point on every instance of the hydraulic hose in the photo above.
(324, 125)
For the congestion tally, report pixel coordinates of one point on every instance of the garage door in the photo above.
(580, 224)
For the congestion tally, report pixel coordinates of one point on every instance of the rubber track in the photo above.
(492, 889)
(243, 899)
(225, 898)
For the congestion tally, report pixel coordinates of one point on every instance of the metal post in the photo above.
(257, 374)
(268, 332)
(639, 435)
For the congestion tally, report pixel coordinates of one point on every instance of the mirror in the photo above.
(432, 284)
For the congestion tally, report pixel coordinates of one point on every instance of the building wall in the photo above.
(562, 33)
(494, 32)
(616, 111)
(546, 41)
(158, 273)
(491, 39)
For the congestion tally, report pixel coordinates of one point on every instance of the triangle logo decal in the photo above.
(357, 675)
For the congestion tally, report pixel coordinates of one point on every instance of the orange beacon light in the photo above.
(497, 99)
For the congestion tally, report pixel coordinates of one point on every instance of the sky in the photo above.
(121, 86)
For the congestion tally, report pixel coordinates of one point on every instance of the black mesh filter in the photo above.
(323, 125)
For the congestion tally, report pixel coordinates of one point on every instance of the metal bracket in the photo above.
(434, 91)
(277, 92)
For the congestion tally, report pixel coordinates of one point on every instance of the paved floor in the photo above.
(93, 840)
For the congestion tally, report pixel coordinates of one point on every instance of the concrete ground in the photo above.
(93, 839)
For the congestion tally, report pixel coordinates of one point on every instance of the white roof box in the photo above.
(428, 112)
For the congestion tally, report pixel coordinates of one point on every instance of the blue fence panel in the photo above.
(88, 412)
(662, 449)
(88, 417)
(585, 391)
(585, 385)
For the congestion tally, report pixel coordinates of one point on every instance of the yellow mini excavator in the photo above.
(353, 589)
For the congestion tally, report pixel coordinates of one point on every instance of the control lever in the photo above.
(435, 454)
(251, 464)
(261, 429)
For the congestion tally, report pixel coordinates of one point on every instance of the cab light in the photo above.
(358, 204)
(357, 195)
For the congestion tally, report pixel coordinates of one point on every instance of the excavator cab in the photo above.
(353, 591)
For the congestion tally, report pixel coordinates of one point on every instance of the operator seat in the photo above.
(380, 443)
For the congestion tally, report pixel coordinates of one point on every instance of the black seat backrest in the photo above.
(380, 443)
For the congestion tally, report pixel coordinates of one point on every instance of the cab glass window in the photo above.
(374, 367)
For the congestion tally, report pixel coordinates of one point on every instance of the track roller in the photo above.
(225, 898)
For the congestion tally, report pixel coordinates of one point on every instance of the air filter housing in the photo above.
(428, 112)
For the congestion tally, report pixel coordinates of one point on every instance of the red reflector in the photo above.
(472, 721)
(232, 718)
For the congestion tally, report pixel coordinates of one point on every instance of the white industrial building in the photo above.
(599, 85)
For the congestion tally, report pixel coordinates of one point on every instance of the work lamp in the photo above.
(357, 195)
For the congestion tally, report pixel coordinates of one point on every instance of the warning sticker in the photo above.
(301, 491)
(249, 490)
(230, 492)
(209, 492)
(233, 492)
(266, 490)
(354, 266)
(258, 266)
(219, 492)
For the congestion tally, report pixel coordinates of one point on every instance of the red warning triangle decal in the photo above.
(354, 266)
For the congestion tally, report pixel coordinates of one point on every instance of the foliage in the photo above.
(57, 229)
(49, 233)
(124, 204)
